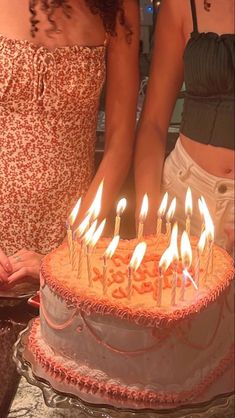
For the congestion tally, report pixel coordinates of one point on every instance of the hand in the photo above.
(5, 267)
(25, 264)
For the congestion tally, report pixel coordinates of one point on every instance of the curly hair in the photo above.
(108, 10)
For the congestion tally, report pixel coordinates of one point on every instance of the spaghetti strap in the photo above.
(194, 16)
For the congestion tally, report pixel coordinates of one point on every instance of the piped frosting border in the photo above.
(108, 391)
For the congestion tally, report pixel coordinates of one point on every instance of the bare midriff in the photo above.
(217, 161)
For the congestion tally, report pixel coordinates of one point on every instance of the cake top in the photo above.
(135, 296)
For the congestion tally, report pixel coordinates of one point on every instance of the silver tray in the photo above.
(218, 407)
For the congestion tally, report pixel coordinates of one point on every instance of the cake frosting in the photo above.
(129, 352)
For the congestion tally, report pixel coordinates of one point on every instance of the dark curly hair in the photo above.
(109, 11)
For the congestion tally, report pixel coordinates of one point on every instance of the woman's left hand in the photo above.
(24, 263)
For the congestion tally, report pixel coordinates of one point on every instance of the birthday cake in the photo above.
(117, 345)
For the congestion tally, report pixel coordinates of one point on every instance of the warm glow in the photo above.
(144, 208)
(74, 212)
(188, 275)
(95, 207)
(200, 207)
(112, 247)
(121, 206)
(163, 205)
(186, 250)
(138, 255)
(89, 234)
(82, 227)
(166, 259)
(202, 242)
(97, 234)
(209, 226)
(188, 202)
(171, 210)
(174, 241)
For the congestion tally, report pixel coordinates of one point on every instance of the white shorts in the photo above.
(179, 172)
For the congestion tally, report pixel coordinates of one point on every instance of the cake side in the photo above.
(94, 386)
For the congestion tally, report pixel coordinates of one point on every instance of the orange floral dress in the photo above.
(48, 114)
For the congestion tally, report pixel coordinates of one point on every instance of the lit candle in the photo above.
(69, 223)
(78, 234)
(175, 256)
(143, 215)
(210, 234)
(200, 249)
(160, 214)
(87, 239)
(121, 206)
(164, 263)
(135, 262)
(188, 209)
(95, 207)
(169, 216)
(186, 255)
(200, 207)
(107, 256)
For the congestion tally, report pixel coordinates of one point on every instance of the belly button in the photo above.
(228, 170)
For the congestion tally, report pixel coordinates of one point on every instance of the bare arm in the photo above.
(165, 81)
(121, 100)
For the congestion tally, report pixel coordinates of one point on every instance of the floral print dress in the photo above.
(48, 114)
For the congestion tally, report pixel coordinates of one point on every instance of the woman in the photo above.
(192, 43)
(53, 59)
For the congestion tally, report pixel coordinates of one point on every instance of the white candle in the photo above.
(161, 212)
(199, 251)
(142, 217)
(174, 283)
(182, 288)
(135, 262)
(186, 255)
(121, 206)
(164, 263)
(169, 216)
(69, 223)
(107, 256)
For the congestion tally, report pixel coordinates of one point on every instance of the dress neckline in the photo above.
(212, 34)
(33, 46)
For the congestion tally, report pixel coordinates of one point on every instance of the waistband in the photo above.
(182, 159)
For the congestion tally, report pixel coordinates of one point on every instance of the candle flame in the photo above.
(174, 241)
(138, 255)
(121, 206)
(112, 247)
(95, 207)
(89, 234)
(188, 202)
(188, 275)
(74, 212)
(186, 250)
(82, 227)
(144, 208)
(163, 205)
(171, 210)
(97, 234)
(202, 242)
(209, 226)
(200, 207)
(166, 259)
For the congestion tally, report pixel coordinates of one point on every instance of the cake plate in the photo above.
(220, 406)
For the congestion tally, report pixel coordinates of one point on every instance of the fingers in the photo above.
(19, 276)
(5, 263)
